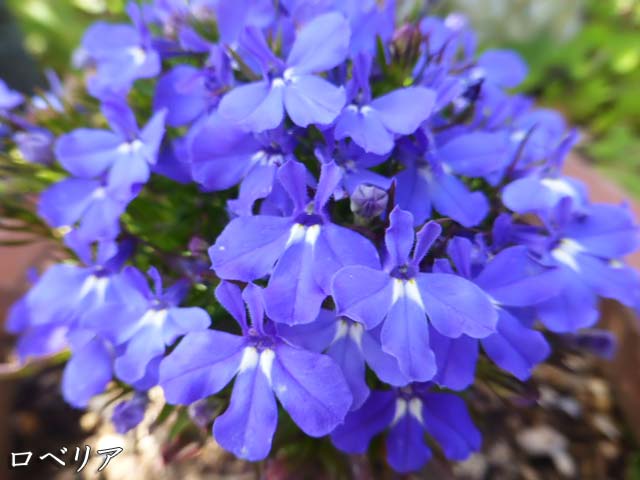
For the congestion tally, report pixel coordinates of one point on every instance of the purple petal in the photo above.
(255, 106)
(184, 320)
(221, 153)
(315, 336)
(293, 178)
(503, 68)
(405, 334)
(293, 296)
(246, 428)
(448, 421)
(515, 348)
(384, 365)
(424, 240)
(230, 297)
(452, 198)
(321, 44)
(311, 388)
(399, 237)
(360, 426)
(456, 360)
(456, 306)
(616, 281)
(87, 373)
(248, 247)
(362, 294)
(313, 100)
(531, 194)
(407, 450)
(201, 365)
(476, 154)
(330, 177)
(346, 352)
(338, 247)
(413, 194)
(608, 231)
(87, 153)
(64, 203)
(365, 128)
(513, 278)
(575, 308)
(403, 111)
(254, 298)
(459, 250)
(183, 93)
(146, 345)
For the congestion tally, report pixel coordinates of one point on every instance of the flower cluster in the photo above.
(392, 213)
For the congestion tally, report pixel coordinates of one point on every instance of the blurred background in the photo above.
(584, 58)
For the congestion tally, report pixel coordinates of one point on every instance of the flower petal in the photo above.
(403, 111)
(255, 106)
(405, 335)
(321, 44)
(456, 306)
(311, 388)
(248, 247)
(201, 365)
(313, 100)
(362, 294)
(246, 428)
(516, 348)
(360, 426)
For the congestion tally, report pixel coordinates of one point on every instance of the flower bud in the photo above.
(368, 201)
(35, 146)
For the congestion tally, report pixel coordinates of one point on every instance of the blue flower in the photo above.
(60, 298)
(300, 252)
(121, 54)
(108, 168)
(9, 99)
(373, 124)
(587, 248)
(514, 280)
(401, 297)
(144, 322)
(293, 85)
(310, 386)
(407, 414)
(129, 413)
(351, 346)
(431, 178)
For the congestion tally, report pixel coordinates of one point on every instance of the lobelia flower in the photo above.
(430, 178)
(144, 322)
(355, 164)
(373, 123)
(310, 386)
(293, 85)
(351, 346)
(61, 297)
(407, 414)
(9, 99)
(108, 168)
(223, 155)
(402, 298)
(121, 53)
(587, 247)
(513, 280)
(300, 252)
(36, 146)
(540, 191)
(128, 414)
(188, 93)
